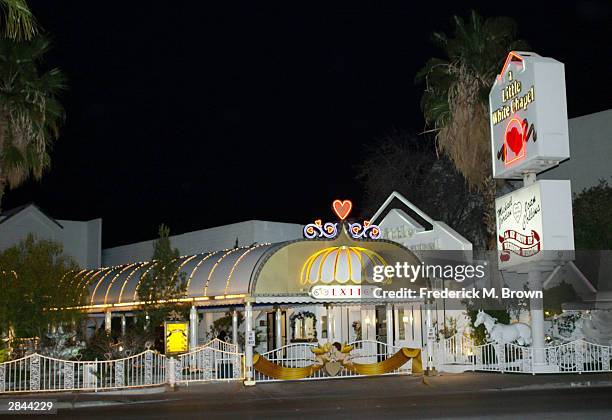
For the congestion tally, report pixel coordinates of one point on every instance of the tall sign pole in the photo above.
(529, 134)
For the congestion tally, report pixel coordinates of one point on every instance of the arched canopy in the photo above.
(287, 273)
(260, 272)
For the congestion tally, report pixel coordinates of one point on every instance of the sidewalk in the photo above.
(226, 393)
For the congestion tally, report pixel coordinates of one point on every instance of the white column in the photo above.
(235, 327)
(330, 324)
(123, 325)
(430, 340)
(389, 329)
(193, 327)
(278, 339)
(248, 348)
(208, 322)
(536, 311)
(108, 321)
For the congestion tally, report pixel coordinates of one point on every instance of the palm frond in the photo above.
(30, 112)
(18, 21)
(455, 96)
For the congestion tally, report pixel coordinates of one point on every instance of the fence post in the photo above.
(148, 367)
(237, 366)
(605, 359)
(500, 352)
(207, 363)
(35, 372)
(171, 368)
(68, 375)
(119, 373)
(579, 355)
(2, 377)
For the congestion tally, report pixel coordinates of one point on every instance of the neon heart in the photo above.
(514, 140)
(342, 208)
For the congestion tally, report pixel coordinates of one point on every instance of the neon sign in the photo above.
(528, 135)
(329, 230)
(342, 208)
(514, 141)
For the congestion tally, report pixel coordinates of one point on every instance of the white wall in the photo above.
(590, 138)
(207, 240)
(81, 240)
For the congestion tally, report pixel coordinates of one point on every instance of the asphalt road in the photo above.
(387, 398)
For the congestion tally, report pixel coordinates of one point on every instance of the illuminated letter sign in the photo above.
(528, 116)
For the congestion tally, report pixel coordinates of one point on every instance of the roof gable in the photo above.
(30, 208)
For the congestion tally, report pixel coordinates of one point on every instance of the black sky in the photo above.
(198, 114)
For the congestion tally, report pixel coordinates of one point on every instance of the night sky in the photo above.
(199, 114)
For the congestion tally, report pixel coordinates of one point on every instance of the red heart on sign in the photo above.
(514, 140)
(342, 208)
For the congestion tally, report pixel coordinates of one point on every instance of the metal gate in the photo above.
(300, 355)
(214, 361)
(458, 349)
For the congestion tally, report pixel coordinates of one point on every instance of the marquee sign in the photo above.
(534, 224)
(528, 116)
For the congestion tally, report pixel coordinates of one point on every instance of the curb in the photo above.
(71, 405)
(558, 385)
(132, 391)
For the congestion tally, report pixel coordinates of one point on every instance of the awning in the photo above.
(263, 273)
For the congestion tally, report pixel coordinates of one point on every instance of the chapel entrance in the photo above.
(271, 329)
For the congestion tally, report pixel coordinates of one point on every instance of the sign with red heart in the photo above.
(528, 116)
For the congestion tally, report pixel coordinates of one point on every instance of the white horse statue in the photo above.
(501, 333)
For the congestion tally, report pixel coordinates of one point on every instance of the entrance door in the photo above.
(381, 330)
(271, 329)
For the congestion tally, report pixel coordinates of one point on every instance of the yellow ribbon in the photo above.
(390, 364)
(276, 371)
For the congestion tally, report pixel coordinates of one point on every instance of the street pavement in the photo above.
(467, 395)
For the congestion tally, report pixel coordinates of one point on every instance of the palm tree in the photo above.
(455, 100)
(18, 21)
(30, 113)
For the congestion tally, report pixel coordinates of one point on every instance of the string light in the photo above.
(320, 257)
(210, 273)
(210, 254)
(115, 278)
(140, 265)
(231, 273)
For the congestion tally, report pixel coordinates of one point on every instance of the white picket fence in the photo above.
(221, 361)
(35, 373)
(215, 360)
(574, 357)
(300, 355)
